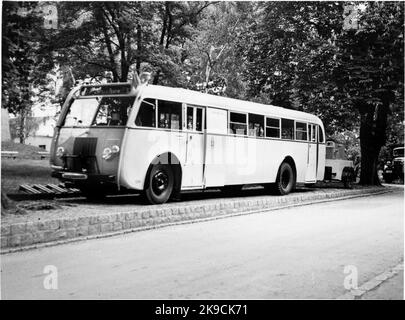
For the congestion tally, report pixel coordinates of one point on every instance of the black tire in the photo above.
(388, 178)
(348, 177)
(159, 183)
(285, 182)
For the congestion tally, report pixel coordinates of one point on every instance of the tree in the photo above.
(178, 22)
(372, 76)
(119, 37)
(25, 58)
(211, 60)
(94, 37)
(289, 52)
(299, 56)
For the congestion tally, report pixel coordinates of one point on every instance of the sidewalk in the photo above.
(84, 220)
(392, 289)
(388, 285)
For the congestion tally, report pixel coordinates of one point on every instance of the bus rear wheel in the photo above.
(285, 182)
(348, 177)
(159, 183)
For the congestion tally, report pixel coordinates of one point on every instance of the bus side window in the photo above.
(146, 116)
(169, 115)
(190, 118)
(237, 123)
(272, 127)
(256, 125)
(313, 133)
(287, 129)
(301, 131)
(113, 111)
(199, 119)
(320, 136)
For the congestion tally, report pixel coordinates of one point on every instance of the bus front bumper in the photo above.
(84, 178)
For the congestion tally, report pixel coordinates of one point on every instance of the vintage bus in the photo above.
(159, 141)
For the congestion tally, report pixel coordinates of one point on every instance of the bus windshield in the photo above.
(99, 111)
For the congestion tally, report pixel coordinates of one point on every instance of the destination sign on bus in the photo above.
(105, 90)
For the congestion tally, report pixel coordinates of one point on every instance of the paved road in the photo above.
(299, 252)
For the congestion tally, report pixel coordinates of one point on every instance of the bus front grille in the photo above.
(83, 158)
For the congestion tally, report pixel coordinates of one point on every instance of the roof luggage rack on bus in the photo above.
(119, 88)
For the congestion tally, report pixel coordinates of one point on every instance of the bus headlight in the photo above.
(60, 152)
(109, 152)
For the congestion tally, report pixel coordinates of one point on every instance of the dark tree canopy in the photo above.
(299, 55)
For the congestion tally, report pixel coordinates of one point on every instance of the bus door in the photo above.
(215, 142)
(312, 165)
(194, 158)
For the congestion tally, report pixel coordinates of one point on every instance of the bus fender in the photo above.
(167, 158)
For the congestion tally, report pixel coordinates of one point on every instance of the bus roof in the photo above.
(204, 99)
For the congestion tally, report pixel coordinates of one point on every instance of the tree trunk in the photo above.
(6, 204)
(373, 127)
(21, 133)
(156, 77)
(109, 47)
(139, 48)
(369, 163)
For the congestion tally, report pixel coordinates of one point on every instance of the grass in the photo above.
(24, 151)
(26, 169)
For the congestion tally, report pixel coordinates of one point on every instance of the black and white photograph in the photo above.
(202, 154)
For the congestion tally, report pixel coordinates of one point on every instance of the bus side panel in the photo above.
(215, 147)
(321, 162)
(141, 147)
(250, 161)
(298, 151)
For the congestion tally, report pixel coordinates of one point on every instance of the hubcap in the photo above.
(285, 179)
(160, 182)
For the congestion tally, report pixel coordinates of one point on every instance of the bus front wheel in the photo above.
(285, 182)
(159, 184)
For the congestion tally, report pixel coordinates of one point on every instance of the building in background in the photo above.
(5, 125)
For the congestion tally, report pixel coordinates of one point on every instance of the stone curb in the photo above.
(372, 284)
(31, 235)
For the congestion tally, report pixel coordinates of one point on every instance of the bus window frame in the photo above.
(320, 129)
(246, 123)
(142, 100)
(315, 130)
(279, 127)
(295, 130)
(113, 96)
(80, 97)
(195, 107)
(181, 115)
(263, 127)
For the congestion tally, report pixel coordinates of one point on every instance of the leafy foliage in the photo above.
(25, 57)
(298, 55)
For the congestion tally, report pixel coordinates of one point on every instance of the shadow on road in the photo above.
(194, 195)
